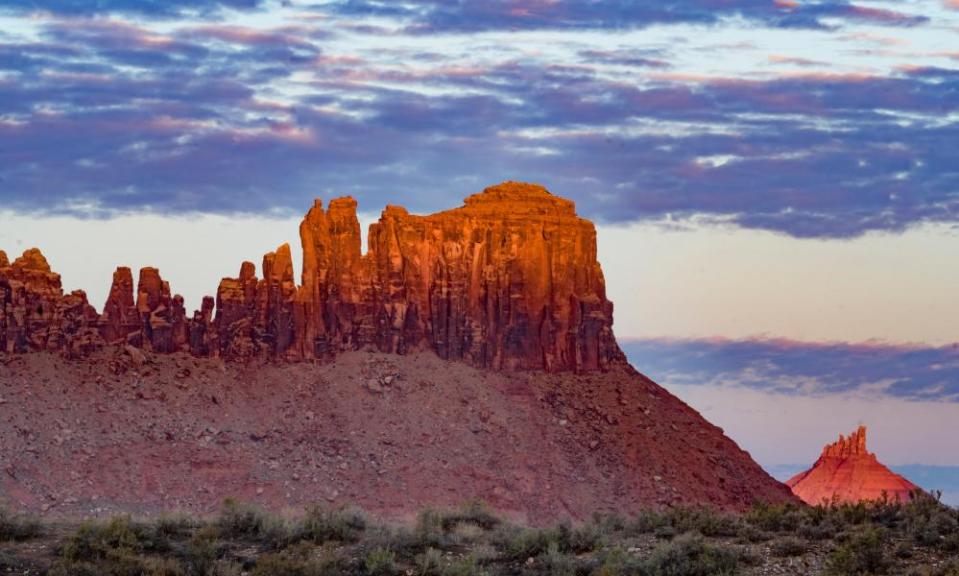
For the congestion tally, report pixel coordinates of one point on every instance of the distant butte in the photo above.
(847, 472)
(508, 281)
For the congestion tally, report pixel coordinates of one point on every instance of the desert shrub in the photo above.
(616, 562)
(118, 563)
(948, 569)
(555, 562)
(429, 530)
(174, 525)
(474, 512)
(446, 528)
(399, 539)
(748, 556)
(162, 567)
(823, 530)
(864, 553)
(226, 568)
(775, 518)
(904, 551)
(14, 527)
(928, 522)
(646, 522)
(94, 541)
(202, 550)
(522, 543)
(703, 520)
(789, 546)
(950, 544)
(465, 566)
(67, 568)
(322, 524)
(380, 562)
(485, 553)
(300, 560)
(247, 522)
(851, 514)
(577, 539)
(749, 534)
(665, 532)
(609, 523)
(690, 555)
(429, 563)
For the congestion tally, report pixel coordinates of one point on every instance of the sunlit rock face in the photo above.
(509, 281)
(847, 472)
(35, 314)
(540, 415)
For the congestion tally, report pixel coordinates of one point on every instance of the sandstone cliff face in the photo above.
(508, 281)
(35, 314)
(847, 472)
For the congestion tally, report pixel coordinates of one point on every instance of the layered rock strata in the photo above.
(510, 281)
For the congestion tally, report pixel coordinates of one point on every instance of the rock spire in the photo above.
(510, 280)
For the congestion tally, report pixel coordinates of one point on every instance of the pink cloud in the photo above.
(252, 36)
(796, 61)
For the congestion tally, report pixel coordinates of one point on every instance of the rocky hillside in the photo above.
(340, 388)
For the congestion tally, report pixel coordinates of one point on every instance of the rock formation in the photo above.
(540, 415)
(35, 314)
(508, 281)
(847, 472)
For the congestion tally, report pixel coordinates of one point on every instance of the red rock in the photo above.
(847, 472)
(235, 314)
(35, 315)
(203, 337)
(120, 317)
(32, 259)
(274, 312)
(508, 281)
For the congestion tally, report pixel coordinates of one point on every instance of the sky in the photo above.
(773, 182)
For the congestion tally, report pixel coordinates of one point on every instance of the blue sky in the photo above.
(774, 181)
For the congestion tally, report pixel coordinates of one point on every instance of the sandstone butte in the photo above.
(847, 472)
(508, 281)
(540, 413)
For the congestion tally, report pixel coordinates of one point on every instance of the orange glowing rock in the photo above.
(847, 472)
(35, 314)
(510, 280)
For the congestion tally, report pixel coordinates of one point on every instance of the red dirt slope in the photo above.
(125, 432)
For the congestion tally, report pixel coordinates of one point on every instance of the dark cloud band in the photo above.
(799, 368)
(104, 115)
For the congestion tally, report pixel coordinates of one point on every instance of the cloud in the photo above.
(158, 8)
(869, 370)
(438, 16)
(105, 115)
